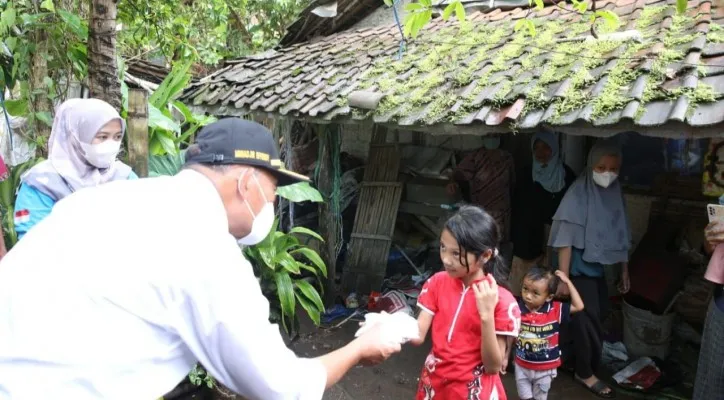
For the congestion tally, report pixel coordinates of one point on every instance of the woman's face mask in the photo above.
(263, 221)
(101, 155)
(605, 172)
(604, 179)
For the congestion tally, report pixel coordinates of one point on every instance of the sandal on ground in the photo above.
(597, 388)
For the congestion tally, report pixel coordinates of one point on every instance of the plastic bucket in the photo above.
(646, 334)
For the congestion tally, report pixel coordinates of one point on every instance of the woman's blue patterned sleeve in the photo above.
(132, 176)
(31, 207)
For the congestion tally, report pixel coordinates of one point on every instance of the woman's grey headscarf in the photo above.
(553, 176)
(593, 218)
(67, 170)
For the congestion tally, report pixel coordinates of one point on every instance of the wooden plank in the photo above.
(408, 207)
(381, 184)
(374, 225)
(432, 226)
(368, 236)
(138, 131)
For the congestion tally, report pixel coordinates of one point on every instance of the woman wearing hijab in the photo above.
(591, 233)
(82, 149)
(538, 193)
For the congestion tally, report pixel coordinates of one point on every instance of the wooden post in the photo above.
(328, 218)
(138, 131)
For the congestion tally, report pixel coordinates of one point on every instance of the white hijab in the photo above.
(67, 168)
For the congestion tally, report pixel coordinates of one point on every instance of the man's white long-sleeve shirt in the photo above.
(123, 287)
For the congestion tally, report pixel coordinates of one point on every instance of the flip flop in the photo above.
(597, 388)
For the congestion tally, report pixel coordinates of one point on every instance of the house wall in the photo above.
(356, 140)
(382, 16)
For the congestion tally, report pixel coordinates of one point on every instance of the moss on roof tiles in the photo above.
(474, 53)
(715, 34)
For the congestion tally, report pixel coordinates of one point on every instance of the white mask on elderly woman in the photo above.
(604, 179)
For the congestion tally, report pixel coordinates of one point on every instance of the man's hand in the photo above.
(374, 349)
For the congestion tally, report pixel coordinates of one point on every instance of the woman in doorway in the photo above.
(538, 194)
(709, 382)
(591, 234)
(82, 149)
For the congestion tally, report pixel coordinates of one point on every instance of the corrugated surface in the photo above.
(485, 74)
(309, 25)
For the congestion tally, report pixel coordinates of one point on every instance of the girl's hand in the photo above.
(486, 297)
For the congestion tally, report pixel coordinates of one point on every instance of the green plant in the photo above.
(198, 376)
(279, 261)
(165, 165)
(165, 135)
(8, 191)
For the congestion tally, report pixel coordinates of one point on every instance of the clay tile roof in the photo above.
(486, 74)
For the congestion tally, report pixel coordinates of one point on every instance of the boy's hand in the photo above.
(563, 277)
(486, 297)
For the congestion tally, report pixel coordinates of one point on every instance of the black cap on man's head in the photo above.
(237, 141)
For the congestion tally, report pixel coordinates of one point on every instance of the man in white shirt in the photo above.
(124, 287)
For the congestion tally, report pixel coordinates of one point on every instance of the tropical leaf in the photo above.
(16, 108)
(448, 11)
(681, 6)
(310, 293)
(313, 257)
(304, 231)
(309, 307)
(300, 192)
(285, 292)
(288, 263)
(166, 165)
(158, 120)
(172, 85)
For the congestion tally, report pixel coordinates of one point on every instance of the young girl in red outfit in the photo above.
(471, 314)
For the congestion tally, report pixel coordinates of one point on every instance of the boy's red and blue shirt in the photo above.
(537, 347)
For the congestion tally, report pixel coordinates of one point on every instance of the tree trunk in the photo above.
(39, 100)
(102, 65)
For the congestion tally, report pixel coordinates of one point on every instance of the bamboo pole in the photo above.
(328, 222)
(138, 131)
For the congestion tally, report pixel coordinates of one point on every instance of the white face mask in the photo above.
(263, 222)
(103, 154)
(604, 179)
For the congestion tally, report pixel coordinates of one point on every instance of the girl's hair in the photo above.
(476, 232)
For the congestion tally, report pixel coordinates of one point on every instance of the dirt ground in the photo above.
(396, 379)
